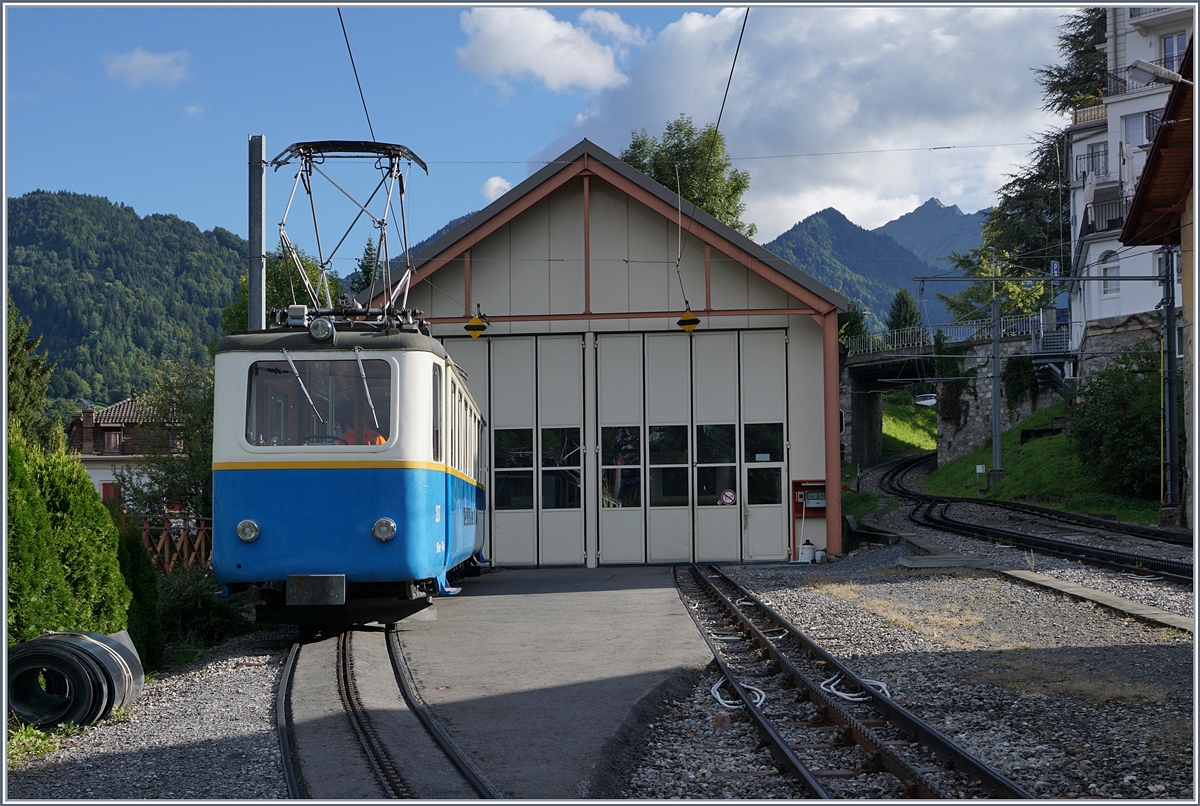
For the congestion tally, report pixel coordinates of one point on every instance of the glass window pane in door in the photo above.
(514, 489)
(560, 489)
(668, 444)
(621, 487)
(514, 447)
(560, 447)
(621, 445)
(763, 485)
(712, 481)
(763, 442)
(669, 486)
(716, 444)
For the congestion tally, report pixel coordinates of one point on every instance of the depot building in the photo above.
(622, 430)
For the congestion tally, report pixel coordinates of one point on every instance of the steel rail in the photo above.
(920, 732)
(1109, 558)
(283, 720)
(778, 746)
(416, 704)
(360, 722)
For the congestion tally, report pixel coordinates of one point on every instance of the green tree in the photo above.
(28, 380)
(365, 268)
(852, 323)
(706, 176)
(1116, 423)
(145, 624)
(904, 312)
(177, 464)
(1080, 78)
(284, 288)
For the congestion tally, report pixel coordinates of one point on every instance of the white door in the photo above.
(668, 451)
(514, 523)
(560, 450)
(764, 447)
(619, 421)
(716, 447)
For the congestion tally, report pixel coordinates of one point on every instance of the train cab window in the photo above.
(320, 403)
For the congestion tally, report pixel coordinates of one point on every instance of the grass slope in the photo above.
(1045, 471)
(908, 429)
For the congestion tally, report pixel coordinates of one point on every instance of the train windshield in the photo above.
(319, 403)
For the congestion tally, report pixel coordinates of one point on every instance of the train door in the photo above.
(514, 524)
(668, 452)
(619, 421)
(715, 401)
(764, 407)
(559, 457)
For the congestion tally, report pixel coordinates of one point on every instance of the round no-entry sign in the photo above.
(728, 497)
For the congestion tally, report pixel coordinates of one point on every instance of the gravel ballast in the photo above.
(206, 730)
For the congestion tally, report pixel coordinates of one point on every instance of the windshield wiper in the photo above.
(362, 374)
(302, 387)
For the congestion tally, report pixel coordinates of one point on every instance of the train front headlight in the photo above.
(247, 531)
(321, 329)
(384, 529)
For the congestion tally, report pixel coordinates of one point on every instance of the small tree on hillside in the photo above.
(28, 380)
(706, 176)
(365, 269)
(904, 312)
(177, 468)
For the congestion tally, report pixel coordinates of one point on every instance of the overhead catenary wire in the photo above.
(356, 79)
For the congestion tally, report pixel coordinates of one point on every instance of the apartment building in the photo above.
(1109, 142)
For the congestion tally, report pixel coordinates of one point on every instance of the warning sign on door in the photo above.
(728, 498)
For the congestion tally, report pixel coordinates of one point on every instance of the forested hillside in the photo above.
(868, 267)
(112, 293)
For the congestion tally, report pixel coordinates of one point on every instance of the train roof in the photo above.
(298, 340)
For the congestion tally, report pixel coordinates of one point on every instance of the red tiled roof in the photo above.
(124, 412)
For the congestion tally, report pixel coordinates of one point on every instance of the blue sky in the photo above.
(152, 106)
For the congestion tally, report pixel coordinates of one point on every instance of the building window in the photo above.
(112, 441)
(108, 490)
(1140, 128)
(1110, 269)
(1173, 47)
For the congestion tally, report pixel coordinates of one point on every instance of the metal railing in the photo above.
(1046, 338)
(1118, 83)
(1142, 11)
(1094, 161)
(1104, 216)
(177, 540)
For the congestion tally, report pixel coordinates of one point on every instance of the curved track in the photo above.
(840, 736)
(372, 745)
(933, 511)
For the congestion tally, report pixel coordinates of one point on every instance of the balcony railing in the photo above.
(1105, 216)
(1095, 162)
(1117, 83)
(1089, 114)
(1134, 13)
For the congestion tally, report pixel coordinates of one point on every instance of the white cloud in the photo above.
(495, 187)
(610, 23)
(514, 43)
(138, 67)
(896, 81)
(192, 110)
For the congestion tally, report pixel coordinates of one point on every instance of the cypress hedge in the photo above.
(145, 624)
(63, 571)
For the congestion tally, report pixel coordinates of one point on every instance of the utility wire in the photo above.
(356, 81)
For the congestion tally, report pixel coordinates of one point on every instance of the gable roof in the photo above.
(587, 158)
(1157, 206)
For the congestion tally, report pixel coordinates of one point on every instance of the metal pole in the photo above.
(1170, 410)
(996, 464)
(258, 221)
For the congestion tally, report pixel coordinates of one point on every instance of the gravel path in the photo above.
(206, 730)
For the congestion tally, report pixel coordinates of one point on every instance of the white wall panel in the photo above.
(490, 274)
(668, 379)
(806, 400)
(565, 213)
(560, 381)
(609, 249)
(715, 376)
(447, 298)
(620, 382)
(691, 268)
(529, 238)
(648, 282)
(513, 383)
(728, 290)
(764, 391)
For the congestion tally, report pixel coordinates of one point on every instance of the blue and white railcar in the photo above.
(347, 468)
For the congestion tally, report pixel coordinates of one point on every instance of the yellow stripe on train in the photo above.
(344, 465)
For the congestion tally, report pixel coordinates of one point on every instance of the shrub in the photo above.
(193, 615)
(38, 596)
(145, 624)
(86, 540)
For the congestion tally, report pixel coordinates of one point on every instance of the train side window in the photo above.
(453, 429)
(437, 413)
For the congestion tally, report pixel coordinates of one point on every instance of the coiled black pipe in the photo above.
(75, 677)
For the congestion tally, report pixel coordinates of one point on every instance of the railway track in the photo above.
(376, 742)
(837, 735)
(1129, 548)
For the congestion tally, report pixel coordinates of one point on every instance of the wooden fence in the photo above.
(177, 541)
